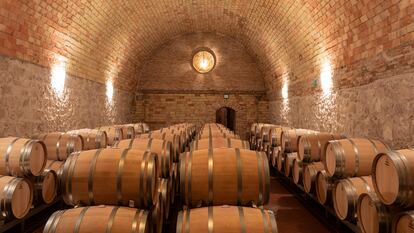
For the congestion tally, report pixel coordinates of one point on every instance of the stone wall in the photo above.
(165, 109)
(382, 110)
(29, 105)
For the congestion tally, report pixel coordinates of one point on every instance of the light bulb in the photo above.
(203, 64)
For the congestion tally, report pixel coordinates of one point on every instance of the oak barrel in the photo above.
(225, 219)
(16, 196)
(219, 142)
(60, 145)
(393, 175)
(174, 139)
(112, 177)
(99, 219)
(289, 163)
(45, 186)
(22, 157)
(114, 133)
(323, 186)
(352, 157)
(312, 146)
(274, 156)
(290, 139)
(297, 170)
(309, 175)
(373, 216)
(404, 222)
(92, 138)
(275, 135)
(345, 194)
(281, 161)
(164, 192)
(229, 176)
(161, 147)
(157, 216)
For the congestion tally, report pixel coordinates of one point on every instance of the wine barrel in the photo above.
(345, 194)
(352, 157)
(60, 145)
(102, 218)
(157, 216)
(112, 177)
(373, 216)
(290, 139)
(113, 133)
(16, 196)
(164, 192)
(312, 146)
(224, 219)
(128, 131)
(281, 161)
(163, 134)
(275, 155)
(297, 171)
(45, 186)
(228, 176)
(162, 148)
(393, 174)
(56, 166)
(403, 222)
(174, 139)
(289, 163)
(275, 135)
(309, 175)
(22, 157)
(323, 187)
(92, 138)
(220, 142)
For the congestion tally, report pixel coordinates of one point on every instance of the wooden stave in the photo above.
(297, 169)
(264, 170)
(7, 193)
(38, 187)
(145, 199)
(383, 212)
(163, 191)
(267, 217)
(337, 148)
(398, 217)
(24, 169)
(55, 145)
(398, 158)
(140, 220)
(327, 190)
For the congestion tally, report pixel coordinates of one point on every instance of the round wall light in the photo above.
(204, 60)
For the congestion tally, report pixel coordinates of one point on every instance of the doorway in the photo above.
(227, 117)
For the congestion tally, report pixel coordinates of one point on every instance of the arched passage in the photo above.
(227, 117)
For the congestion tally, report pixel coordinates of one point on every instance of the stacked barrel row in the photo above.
(127, 185)
(223, 185)
(335, 170)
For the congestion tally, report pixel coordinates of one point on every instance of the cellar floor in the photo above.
(291, 215)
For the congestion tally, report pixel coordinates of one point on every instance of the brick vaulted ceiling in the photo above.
(111, 39)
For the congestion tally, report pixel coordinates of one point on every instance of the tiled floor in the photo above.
(291, 215)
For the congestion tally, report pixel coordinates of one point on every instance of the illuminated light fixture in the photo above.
(326, 77)
(109, 90)
(58, 76)
(204, 60)
(285, 90)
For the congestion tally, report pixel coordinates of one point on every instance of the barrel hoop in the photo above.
(189, 172)
(356, 151)
(259, 171)
(134, 225)
(239, 177)
(151, 163)
(53, 222)
(70, 145)
(228, 142)
(242, 221)
(265, 223)
(210, 223)
(79, 220)
(196, 144)
(210, 175)
(350, 190)
(131, 143)
(111, 219)
(187, 221)
(7, 156)
(92, 168)
(339, 156)
(179, 228)
(143, 222)
(272, 221)
(70, 173)
(57, 147)
(142, 197)
(119, 174)
(25, 157)
(266, 196)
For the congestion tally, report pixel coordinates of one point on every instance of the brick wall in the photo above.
(165, 109)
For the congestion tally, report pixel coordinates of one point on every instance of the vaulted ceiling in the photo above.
(111, 39)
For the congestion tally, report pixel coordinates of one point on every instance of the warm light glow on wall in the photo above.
(326, 77)
(109, 90)
(285, 90)
(58, 76)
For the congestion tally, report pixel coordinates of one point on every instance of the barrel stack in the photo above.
(223, 185)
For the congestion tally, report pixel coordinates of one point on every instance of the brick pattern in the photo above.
(29, 105)
(161, 110)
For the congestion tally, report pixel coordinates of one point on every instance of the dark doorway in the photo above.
(227, 117)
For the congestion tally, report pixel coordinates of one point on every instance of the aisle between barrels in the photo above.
(292, 216)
